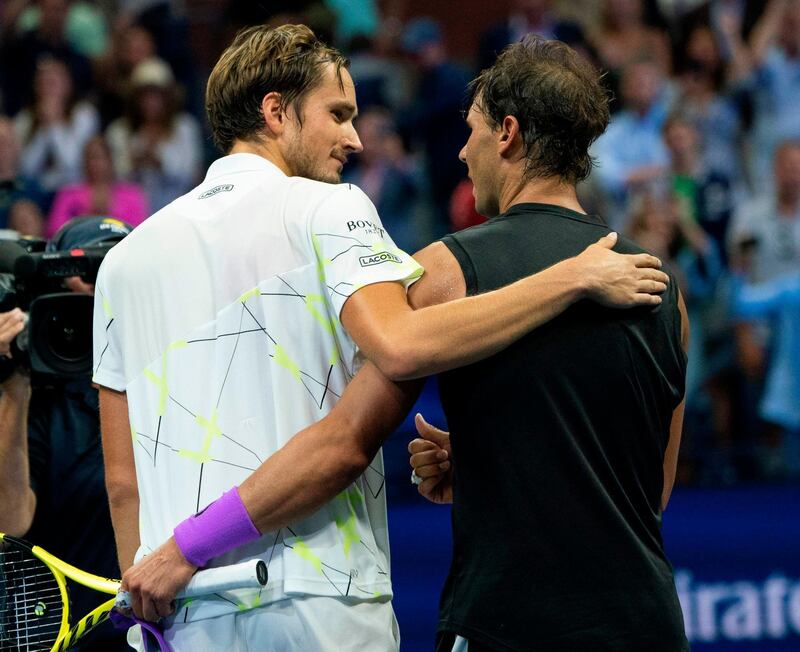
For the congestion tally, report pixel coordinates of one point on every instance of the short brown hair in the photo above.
(288, 60)
(556, 97)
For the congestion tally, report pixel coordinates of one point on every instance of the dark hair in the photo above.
(288, 60)
(556, 97)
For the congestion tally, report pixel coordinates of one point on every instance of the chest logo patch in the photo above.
(216, 190)
(377, 259)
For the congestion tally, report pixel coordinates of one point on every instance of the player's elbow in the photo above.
(346, 454)
(17, 515)
(400, 360)
(121, 489)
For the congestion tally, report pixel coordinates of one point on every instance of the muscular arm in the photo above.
(328, 456)
(123, 493)
(16, 496)
(315, 465)
(676, 425)
(406, 343)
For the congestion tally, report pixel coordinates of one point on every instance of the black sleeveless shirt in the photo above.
(558, 445)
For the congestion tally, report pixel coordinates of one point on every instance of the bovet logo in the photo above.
(216, 190)
(370, 228)
(377, 259)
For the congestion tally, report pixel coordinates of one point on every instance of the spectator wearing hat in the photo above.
(99, 193)
(51, 462)
(156, 145)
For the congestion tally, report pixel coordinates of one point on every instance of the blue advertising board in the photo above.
(735, 552)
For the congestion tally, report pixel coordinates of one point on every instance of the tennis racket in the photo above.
(34, 600)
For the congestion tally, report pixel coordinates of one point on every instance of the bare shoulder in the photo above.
(442, 281)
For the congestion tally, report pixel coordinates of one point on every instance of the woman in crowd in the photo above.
(156, 145)
(55, 128)
(99, 194)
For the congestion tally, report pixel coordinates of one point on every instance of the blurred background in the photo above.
(102, 112)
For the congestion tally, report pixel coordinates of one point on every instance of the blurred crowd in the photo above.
(101, 113)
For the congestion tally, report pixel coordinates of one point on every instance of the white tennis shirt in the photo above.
(219, 316)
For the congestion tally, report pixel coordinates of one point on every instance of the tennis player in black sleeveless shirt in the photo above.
(564, 445)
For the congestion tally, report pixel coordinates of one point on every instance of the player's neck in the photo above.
(267, 150)
(548, 190)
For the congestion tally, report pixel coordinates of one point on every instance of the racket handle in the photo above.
(247, 575)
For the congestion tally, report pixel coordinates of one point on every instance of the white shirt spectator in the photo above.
(179, 159)
(53, 154)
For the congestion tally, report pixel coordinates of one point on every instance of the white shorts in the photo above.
(306, 624)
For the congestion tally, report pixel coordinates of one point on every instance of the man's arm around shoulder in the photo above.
(406, 343)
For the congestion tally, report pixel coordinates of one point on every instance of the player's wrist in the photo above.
(572, 276)
(222, 526)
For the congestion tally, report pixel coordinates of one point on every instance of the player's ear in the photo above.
(509, 136)
(274, 113)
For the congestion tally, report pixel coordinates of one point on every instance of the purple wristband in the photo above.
(220, 527)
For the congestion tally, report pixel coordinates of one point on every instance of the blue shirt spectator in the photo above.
(779, 301)
(631, 154)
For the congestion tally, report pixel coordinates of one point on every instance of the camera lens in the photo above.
(61, 334)
(69, 335)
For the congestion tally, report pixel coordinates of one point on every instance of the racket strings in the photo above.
(31, 607)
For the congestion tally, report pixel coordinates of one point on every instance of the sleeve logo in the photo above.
(370, 228)
(215, 190)
(377, 259)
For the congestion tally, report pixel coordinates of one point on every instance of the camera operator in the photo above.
(52, 487)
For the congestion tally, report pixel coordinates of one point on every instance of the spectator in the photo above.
(388, 176)
(435, 118)
(132, 45)
(354, 18)
(702, 100)
(706, 193)
(779, 301)
(26, 219)
(48, 40)
(764, 241)
(55, 128)
(156, 145)
(631, 155)
(381, 79)
(98, 194)
(775, 80)
(526, 17)
(660, 227)
(21, 199)
(623, 38)
(463, 213)
(767, 227)
(85, 29)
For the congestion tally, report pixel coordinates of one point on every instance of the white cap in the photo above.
(152, 72)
